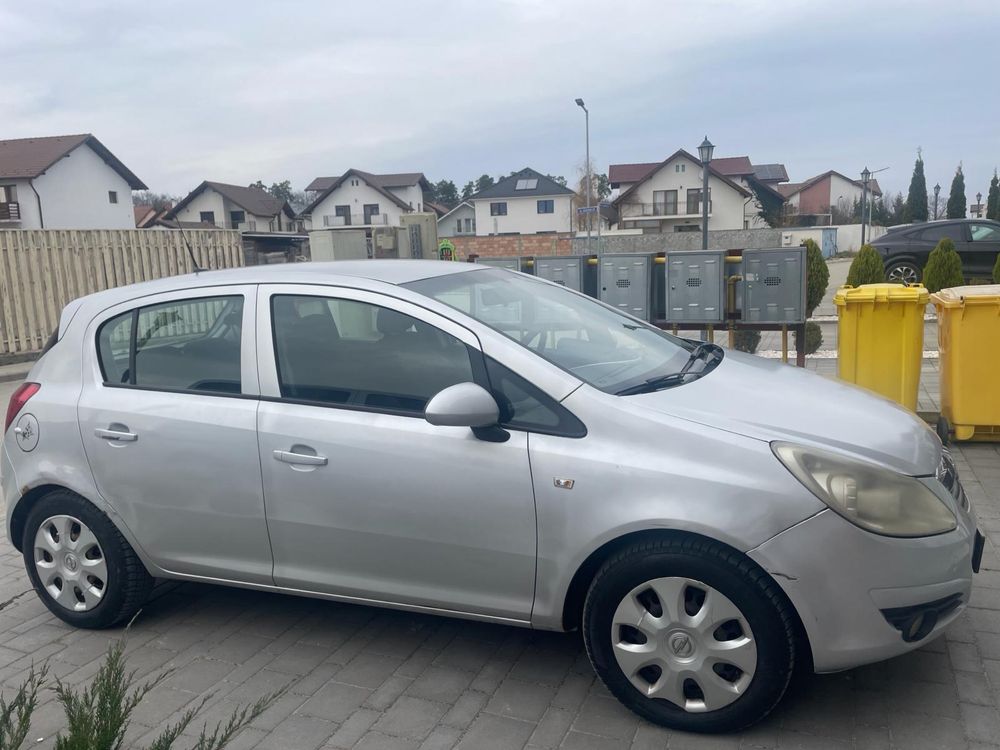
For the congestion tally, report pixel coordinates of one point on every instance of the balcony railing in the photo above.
(356, 220)
(655, 210)
(10, 212)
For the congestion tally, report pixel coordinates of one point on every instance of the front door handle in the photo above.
(303, 459)
(119, 436)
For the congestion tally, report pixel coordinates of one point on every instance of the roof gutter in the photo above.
(38, 199)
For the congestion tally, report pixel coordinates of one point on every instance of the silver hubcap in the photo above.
(904, 273)
(70, 563)
(681, 640)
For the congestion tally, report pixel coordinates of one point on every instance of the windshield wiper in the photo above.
(705, 351)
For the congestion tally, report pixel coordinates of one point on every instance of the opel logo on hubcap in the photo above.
(70, 562)
(681, 645)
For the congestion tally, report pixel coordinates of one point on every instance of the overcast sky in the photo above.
(240, 91)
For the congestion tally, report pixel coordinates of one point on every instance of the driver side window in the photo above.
(358, 355)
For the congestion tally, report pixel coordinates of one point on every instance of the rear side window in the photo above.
(185, 345)
(338, 351)
(936, 234)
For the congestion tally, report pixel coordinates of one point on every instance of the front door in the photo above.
(170, 435)
(365, 499)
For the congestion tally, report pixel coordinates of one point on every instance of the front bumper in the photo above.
(842, 580)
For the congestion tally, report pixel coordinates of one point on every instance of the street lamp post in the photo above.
(865, 176)
(979, 205)
(705, 151)
(590, 179)
(937, 192)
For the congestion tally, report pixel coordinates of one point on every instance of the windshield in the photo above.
(596, 344)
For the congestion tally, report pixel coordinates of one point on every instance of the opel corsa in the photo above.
(467, 441)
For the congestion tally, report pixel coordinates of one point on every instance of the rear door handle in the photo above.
(118, 436)
(303, 459)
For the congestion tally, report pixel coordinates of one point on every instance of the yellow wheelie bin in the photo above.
(880, 338)
(969, 346)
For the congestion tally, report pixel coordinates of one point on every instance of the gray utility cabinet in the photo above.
(511, 264)
(774, 286)
(626, 282)
(562, 269)
(696, 286)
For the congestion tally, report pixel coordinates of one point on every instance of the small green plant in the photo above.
(866, 268)
(814, 337)
(15, 717)
(817, 276)
(996, 271)
(944, 267)
(746, 340)
(98, 716)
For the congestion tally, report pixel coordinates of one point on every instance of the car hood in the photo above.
(768, 400)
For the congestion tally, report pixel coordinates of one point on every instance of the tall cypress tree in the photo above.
(956, 199)
(916, 199)
(993, 201)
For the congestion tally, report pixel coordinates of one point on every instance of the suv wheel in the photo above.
(903, 271)
(690, 634)
(83, 569)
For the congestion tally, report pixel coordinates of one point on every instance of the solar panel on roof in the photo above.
(526, 184)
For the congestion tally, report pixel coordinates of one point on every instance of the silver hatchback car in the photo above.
(463, 440)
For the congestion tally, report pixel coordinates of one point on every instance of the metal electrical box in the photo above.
(695, 286)
(511, 264)
(567, 270)
(418, 238)
(773, 289)
(626, 283)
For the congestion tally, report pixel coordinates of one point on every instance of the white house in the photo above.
(64, 182)
(362, 199)
(666, 196)
(248, 209)
(459, 222)
(527, 202)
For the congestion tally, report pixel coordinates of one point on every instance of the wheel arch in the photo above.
(576, 594)
(19, 515)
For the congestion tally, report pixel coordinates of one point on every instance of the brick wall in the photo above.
(513, 245)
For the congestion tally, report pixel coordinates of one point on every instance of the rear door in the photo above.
(983, 248)
(168, 417)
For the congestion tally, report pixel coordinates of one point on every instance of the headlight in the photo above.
(868, 496)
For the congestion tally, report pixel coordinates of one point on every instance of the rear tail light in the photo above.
(17, 402)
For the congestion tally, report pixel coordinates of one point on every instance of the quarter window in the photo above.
(354, 354)
(187, 345)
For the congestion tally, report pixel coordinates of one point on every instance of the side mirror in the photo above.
(463, 405)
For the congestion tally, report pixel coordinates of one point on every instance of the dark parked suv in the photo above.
(904, 249)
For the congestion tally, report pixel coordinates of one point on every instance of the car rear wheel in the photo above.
(903, 272)
(690, 634)
(80, 565)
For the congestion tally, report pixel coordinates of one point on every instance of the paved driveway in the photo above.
(366, 678)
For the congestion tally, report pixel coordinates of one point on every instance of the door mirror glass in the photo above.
(463, 405)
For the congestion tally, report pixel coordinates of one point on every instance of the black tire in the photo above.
(905, 269)
(128, 583)
(762, 603)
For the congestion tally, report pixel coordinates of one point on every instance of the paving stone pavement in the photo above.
(359, 677)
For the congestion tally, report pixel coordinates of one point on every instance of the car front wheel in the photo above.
(903, 272)
(690, 634)
(81, 566)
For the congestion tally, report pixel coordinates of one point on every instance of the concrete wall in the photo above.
(74, 195)
(523, 217)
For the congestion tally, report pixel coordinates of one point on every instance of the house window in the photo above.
(354, 183)
(236, 218)
(473, 225)
(458, 226)
(664, 202)
(370, 209)
(526, 184)
(694, 200)
(344, 212)
(470, 226)
(680, 168)
(207, 217)
(112, 196)
(498, 209)
(546, 207)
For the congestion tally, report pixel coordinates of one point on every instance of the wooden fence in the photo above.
(42, 270)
